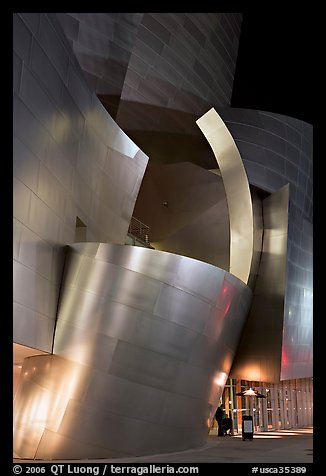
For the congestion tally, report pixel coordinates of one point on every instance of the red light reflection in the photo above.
(285, 359)
(226, 297)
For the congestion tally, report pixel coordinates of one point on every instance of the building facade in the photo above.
(148, 337)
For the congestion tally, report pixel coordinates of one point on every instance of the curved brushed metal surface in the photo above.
(259, 352)
(70, 159)
(144, 343)
(237, 192)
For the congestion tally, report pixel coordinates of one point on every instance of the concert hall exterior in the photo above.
(162, 239)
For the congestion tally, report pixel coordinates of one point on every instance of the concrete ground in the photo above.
(283, 446)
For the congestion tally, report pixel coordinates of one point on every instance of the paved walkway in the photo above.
(284, 446)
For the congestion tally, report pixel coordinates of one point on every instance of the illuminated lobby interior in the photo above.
(163, 240)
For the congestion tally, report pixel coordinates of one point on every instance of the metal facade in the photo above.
(143, 346)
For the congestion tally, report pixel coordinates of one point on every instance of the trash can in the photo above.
(247, 427)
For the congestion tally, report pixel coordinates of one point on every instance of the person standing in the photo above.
(227, 425)
(219, 414)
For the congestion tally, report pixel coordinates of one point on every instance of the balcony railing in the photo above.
(139, 230)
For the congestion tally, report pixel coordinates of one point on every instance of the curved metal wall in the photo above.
(278, 150)
(158, 72)
(187, 209)
(128, 55)
(70, 159)
(236, 190)
(144, 343)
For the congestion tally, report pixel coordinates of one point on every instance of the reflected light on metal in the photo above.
(138, 336)
(41, 409)
(237, 192)
(220, 378)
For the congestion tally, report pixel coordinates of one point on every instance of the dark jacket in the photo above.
(219, 414)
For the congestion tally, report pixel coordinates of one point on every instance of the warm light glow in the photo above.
(220, 378)
(249, 393)
(39, 408)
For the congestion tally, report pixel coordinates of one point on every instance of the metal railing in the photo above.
(139, 230)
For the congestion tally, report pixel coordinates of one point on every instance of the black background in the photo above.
(277, 66)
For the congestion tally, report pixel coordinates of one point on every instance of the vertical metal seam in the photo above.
(59, 296)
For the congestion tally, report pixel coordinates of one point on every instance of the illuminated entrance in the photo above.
(288, 404)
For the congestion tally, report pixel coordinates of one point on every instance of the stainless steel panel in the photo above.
(34, 291)
(128, 324)
(138, 290)
(198, 279)
(79, 90)
(44, 332)
(147, 404)
(48, 227)
(74, 344)
(23, 328)
(91, 276)
(25, 165)
(60, 161)
(21, 201)
(34, 415)
(162, 267)
(215, 322)
(237, 192)
(83, 195)
(123, 372)
(144, 366)
(170, 339)
(92, 145)
(22, 38)
(26, 441)
(38, 101)
(226, 295)
(35, 253)
(58, 257)
(69, 448)
(50, 41)
(182, 308)
(32, 328)
(98, 427)
(266, 316)
(56, 375)
(182, 412)
(76, 122)
(99, 308)
(16, 231)
(108, 430)
(205, 353)
(32, 21)
(58, 126)
(258, 236)
(51, 191)
(66, 233)
(48, 75)
(27, 129)
(192, 381)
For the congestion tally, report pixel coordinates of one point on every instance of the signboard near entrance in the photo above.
(247, 427)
